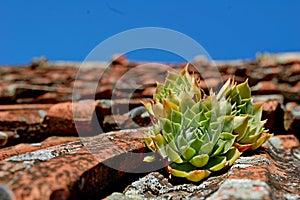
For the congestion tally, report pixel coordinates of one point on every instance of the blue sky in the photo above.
(69, 30)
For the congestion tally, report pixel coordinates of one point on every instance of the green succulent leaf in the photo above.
(167, 136)
(178, 173)
(199, 160)
(189, 114)
(226, 123)
(224, 90)
(171, 79)
(186, 103)
(159, 141)
(229, 140)
(257, 111)
(218, 148)
(188, 153)
(173, 146)
(216, 163)
(198, 175)
(232, 155)
(166, 125)
(249, 106)
(234, 95)
(240, 124)
(158, 110)
(176, 128)
(150, 144)
(173, 155)
(244, 90)
(196, 144)
(191, 175)
(176, 116)
(225, 108)
(264, 137)
(181, 141)
(206, 148)
(169, 107)
(186, 167)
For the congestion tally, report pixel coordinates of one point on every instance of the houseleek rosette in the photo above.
(199, 133)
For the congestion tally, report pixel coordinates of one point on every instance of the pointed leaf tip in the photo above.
(244, 90)
(185, 70)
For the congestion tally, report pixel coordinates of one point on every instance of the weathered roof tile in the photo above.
(37, 103)
(70, 168)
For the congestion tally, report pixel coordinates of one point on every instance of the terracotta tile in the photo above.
(263, 98)
(15, 119)
(290, 93)
(70, 170)
(69, 118)
(145, 93)
(288, 141)
(40, 81)
(27, 147)
(119, 122)
(49, 97)
(3, 138)
(120, 60)
(114, 122)
(273, 112)
(118, 106)
(104, 92)
(274, 71)
(8, 138)
(265, 87)
(25, 107)
(292, 118)
(293, 70)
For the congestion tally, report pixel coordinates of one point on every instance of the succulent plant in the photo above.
(247, 116)
(199, 133)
